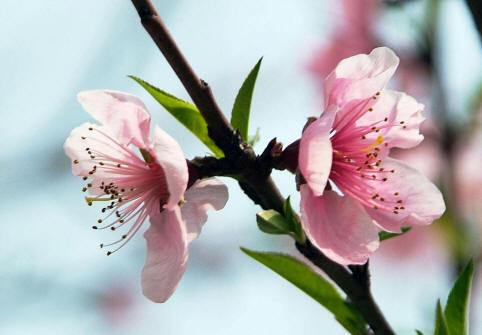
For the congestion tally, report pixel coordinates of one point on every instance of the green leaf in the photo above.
(440, 322)
(295, 224)
(184, 112)
(303, 277)
(457, 308)
(272, 222)
(253, 139)
(418, 332)
(385, 235)
(242, 104)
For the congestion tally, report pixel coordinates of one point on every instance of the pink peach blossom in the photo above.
(139, 178)
(350, 145)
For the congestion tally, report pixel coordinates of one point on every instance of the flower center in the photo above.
(131, 188)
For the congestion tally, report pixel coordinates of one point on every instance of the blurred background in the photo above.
(53, 277)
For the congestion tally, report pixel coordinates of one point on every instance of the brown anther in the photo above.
(399, 201)
(382, 199)
(89, 185)
(90, 128)
(402, 122)
(375, 207)
(396, 193)
(94, 227)
(385, 119)
(363, 137)
(124, 236)
(378, 93)
(84, 189)
(76, 161)
(373, 128)
(370, 109)
(100, 163)
(121, 221)
(103, 210)
(89, 203)
(109, 253)
(112, 228)
(99, 221)
(83, 137)
(402, 207)
(395, 212)
(118, 165)
(87, 149)
(404, 127)
(384, 179)
(85, 178)
(101, 245)
(392, 171)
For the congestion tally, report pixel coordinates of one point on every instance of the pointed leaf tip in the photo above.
(458, 302)
(242, 104)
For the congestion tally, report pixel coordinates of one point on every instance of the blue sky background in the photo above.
(53, 277)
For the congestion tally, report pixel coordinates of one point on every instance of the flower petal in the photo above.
(124, 114)
(360, 77)
(171, 158)
(166, 255)
(409, 198)
(403, 115)
(338, 226)
(315, 153)
(204, 195)
(89, 144)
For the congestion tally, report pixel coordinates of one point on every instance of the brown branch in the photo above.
(251, 171)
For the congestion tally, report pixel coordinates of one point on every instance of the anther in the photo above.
(109, 253)
(85, 178)
(76, 161)
(99, 221)
(384, 179)
(90, 128)
(83, 137)
(94, 227)
(112, 228)
(84, 189)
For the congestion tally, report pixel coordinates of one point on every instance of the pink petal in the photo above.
(124, 114)
(315, 154)
(204, 195)
(166, 255)
(338, 226)
(404, 117)
(171, 158)
(360, 77)
(421, 200)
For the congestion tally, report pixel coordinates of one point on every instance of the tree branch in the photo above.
(251, 171)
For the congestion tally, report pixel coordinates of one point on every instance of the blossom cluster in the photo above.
(350, 187)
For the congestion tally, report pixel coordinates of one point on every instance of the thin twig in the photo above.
(251, 171)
